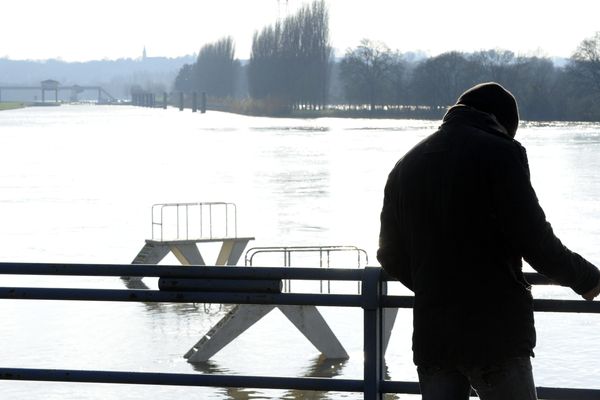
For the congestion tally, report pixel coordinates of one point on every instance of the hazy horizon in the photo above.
(117, 30)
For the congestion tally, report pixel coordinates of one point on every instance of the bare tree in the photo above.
(585, 62)
(494, 64)
(365, 71)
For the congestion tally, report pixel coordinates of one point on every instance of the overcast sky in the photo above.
(80, 30)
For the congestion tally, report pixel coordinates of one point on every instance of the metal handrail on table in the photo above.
(324, 253)
(180, 221)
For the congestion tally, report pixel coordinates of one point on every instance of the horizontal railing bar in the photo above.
(541, 305)
(214, 272)
(332, 300)
(156, 378)
(156, 296)
(545, 393)
(568, 306)
(258, 382)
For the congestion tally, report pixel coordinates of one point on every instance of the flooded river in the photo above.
(77, 184)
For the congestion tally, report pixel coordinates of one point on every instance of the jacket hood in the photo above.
(469, 116)
(492, 98)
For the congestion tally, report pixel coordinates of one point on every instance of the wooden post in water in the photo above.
(203, 103)
(180, 101)
(195, 102)
(165, 100)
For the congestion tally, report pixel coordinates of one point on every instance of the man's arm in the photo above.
(524, 223)
(391, 255)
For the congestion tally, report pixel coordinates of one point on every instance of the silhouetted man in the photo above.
(459, 215)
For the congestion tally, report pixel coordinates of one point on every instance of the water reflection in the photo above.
(211, 367)
(319, 367)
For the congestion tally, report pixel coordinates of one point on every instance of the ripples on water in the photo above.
(77, 183)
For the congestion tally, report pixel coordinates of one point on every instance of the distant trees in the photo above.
(585, 62)
(366, 72)
(213, 72)
(438, 81)
(582, 81)
(533, 82)
(290, 60)
(372, 74)
(494, 64)
(185, 80)
(291, 68)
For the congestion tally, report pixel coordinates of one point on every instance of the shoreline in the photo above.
(406, 113)
(11, 105)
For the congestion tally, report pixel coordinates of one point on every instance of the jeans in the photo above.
(511, 379)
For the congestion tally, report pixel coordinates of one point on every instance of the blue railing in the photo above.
(373, 299)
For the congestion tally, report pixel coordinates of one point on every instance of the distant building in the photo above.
(50, 84)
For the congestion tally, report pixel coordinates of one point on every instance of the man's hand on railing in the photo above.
(590, 295)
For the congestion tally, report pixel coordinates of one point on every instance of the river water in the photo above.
(77, 184)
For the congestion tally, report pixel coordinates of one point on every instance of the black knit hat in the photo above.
(492, 98)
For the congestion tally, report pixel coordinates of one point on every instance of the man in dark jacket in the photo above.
(459, 215)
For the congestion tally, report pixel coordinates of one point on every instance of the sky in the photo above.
(82, 30)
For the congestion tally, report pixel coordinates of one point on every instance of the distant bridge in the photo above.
(103, 95)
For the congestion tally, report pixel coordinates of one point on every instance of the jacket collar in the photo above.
(465, 115)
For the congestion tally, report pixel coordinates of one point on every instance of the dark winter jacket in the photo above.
(459, 215)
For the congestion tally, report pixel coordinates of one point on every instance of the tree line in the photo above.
(373, 75)
(292, 69)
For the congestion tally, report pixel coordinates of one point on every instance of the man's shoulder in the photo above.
(490, 142)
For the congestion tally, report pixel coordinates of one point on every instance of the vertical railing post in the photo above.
(372, 289)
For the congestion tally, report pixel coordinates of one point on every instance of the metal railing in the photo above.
(324, 253)
(372, 300)
(193, 221)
